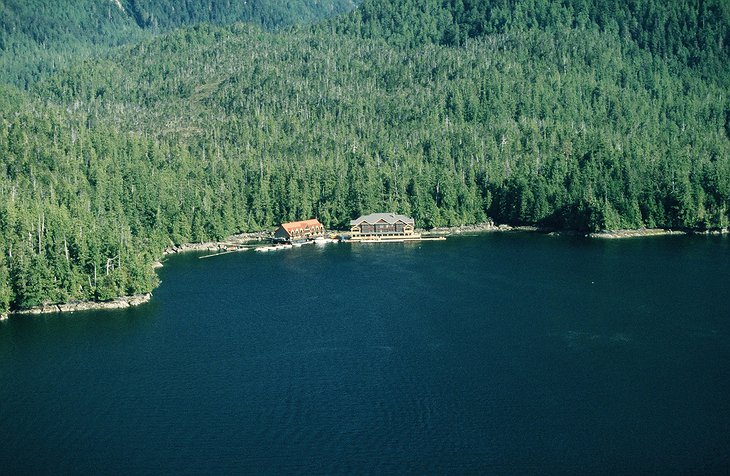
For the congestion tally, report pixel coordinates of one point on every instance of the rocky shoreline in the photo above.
(247, 238)
(117, 303)
(642, 232)
(490, 226)
(131, 301)
(463, 229)
(486, 227)
(233, 240)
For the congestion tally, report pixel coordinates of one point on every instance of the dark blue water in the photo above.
(494, 354)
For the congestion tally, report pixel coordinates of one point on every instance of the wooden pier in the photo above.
(227, 251)
(394, 239)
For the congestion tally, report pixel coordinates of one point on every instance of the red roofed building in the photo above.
(299, 230)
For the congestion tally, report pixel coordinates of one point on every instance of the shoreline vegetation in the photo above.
(122, 302)
(240, 239)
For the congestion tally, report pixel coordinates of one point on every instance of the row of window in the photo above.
(299, 231)
(397, 228)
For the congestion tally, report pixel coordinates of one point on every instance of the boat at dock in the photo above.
(321, 240)
(297, 244)
(273, 247)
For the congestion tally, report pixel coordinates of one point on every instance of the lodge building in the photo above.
(382, 227)
(299, 230)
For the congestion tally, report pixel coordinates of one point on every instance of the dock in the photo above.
(227, 251)
(394, 239)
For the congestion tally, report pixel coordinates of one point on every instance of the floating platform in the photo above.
(227, 251)
(323, 241)
(273, 248)
(394, 239)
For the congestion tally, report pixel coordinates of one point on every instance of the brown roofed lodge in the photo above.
(382, 227)
(299, 230)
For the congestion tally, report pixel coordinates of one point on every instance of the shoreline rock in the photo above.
(489, 227)
(116, 303)
(486, 227)
(641, 232)
(714, 232)
(233, 240)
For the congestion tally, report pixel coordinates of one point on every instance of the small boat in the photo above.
(321, 240)
(275, 247)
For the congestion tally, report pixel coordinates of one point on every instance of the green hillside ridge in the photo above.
(38, 37)
(207, 131)
(271, 14)
(693, 33)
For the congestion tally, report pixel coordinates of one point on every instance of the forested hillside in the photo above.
(38, 37)
(165, 14)
(693, 33)
(565, 120)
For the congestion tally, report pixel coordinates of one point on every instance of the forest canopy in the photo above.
(39, 37)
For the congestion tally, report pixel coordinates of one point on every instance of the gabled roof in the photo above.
(290, 227)
(389, 218)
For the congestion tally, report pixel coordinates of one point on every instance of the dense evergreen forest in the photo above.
(39, 37)
(579, 114)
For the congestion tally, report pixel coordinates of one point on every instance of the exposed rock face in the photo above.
(3, 317)
(605, 234)
(118, 303)
(209, 246)
(721, 231)
(456, 230)
(656, 232)
(611, 234)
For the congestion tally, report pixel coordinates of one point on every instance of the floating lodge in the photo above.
(383, 227)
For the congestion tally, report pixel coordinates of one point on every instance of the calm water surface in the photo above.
(494, 354)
